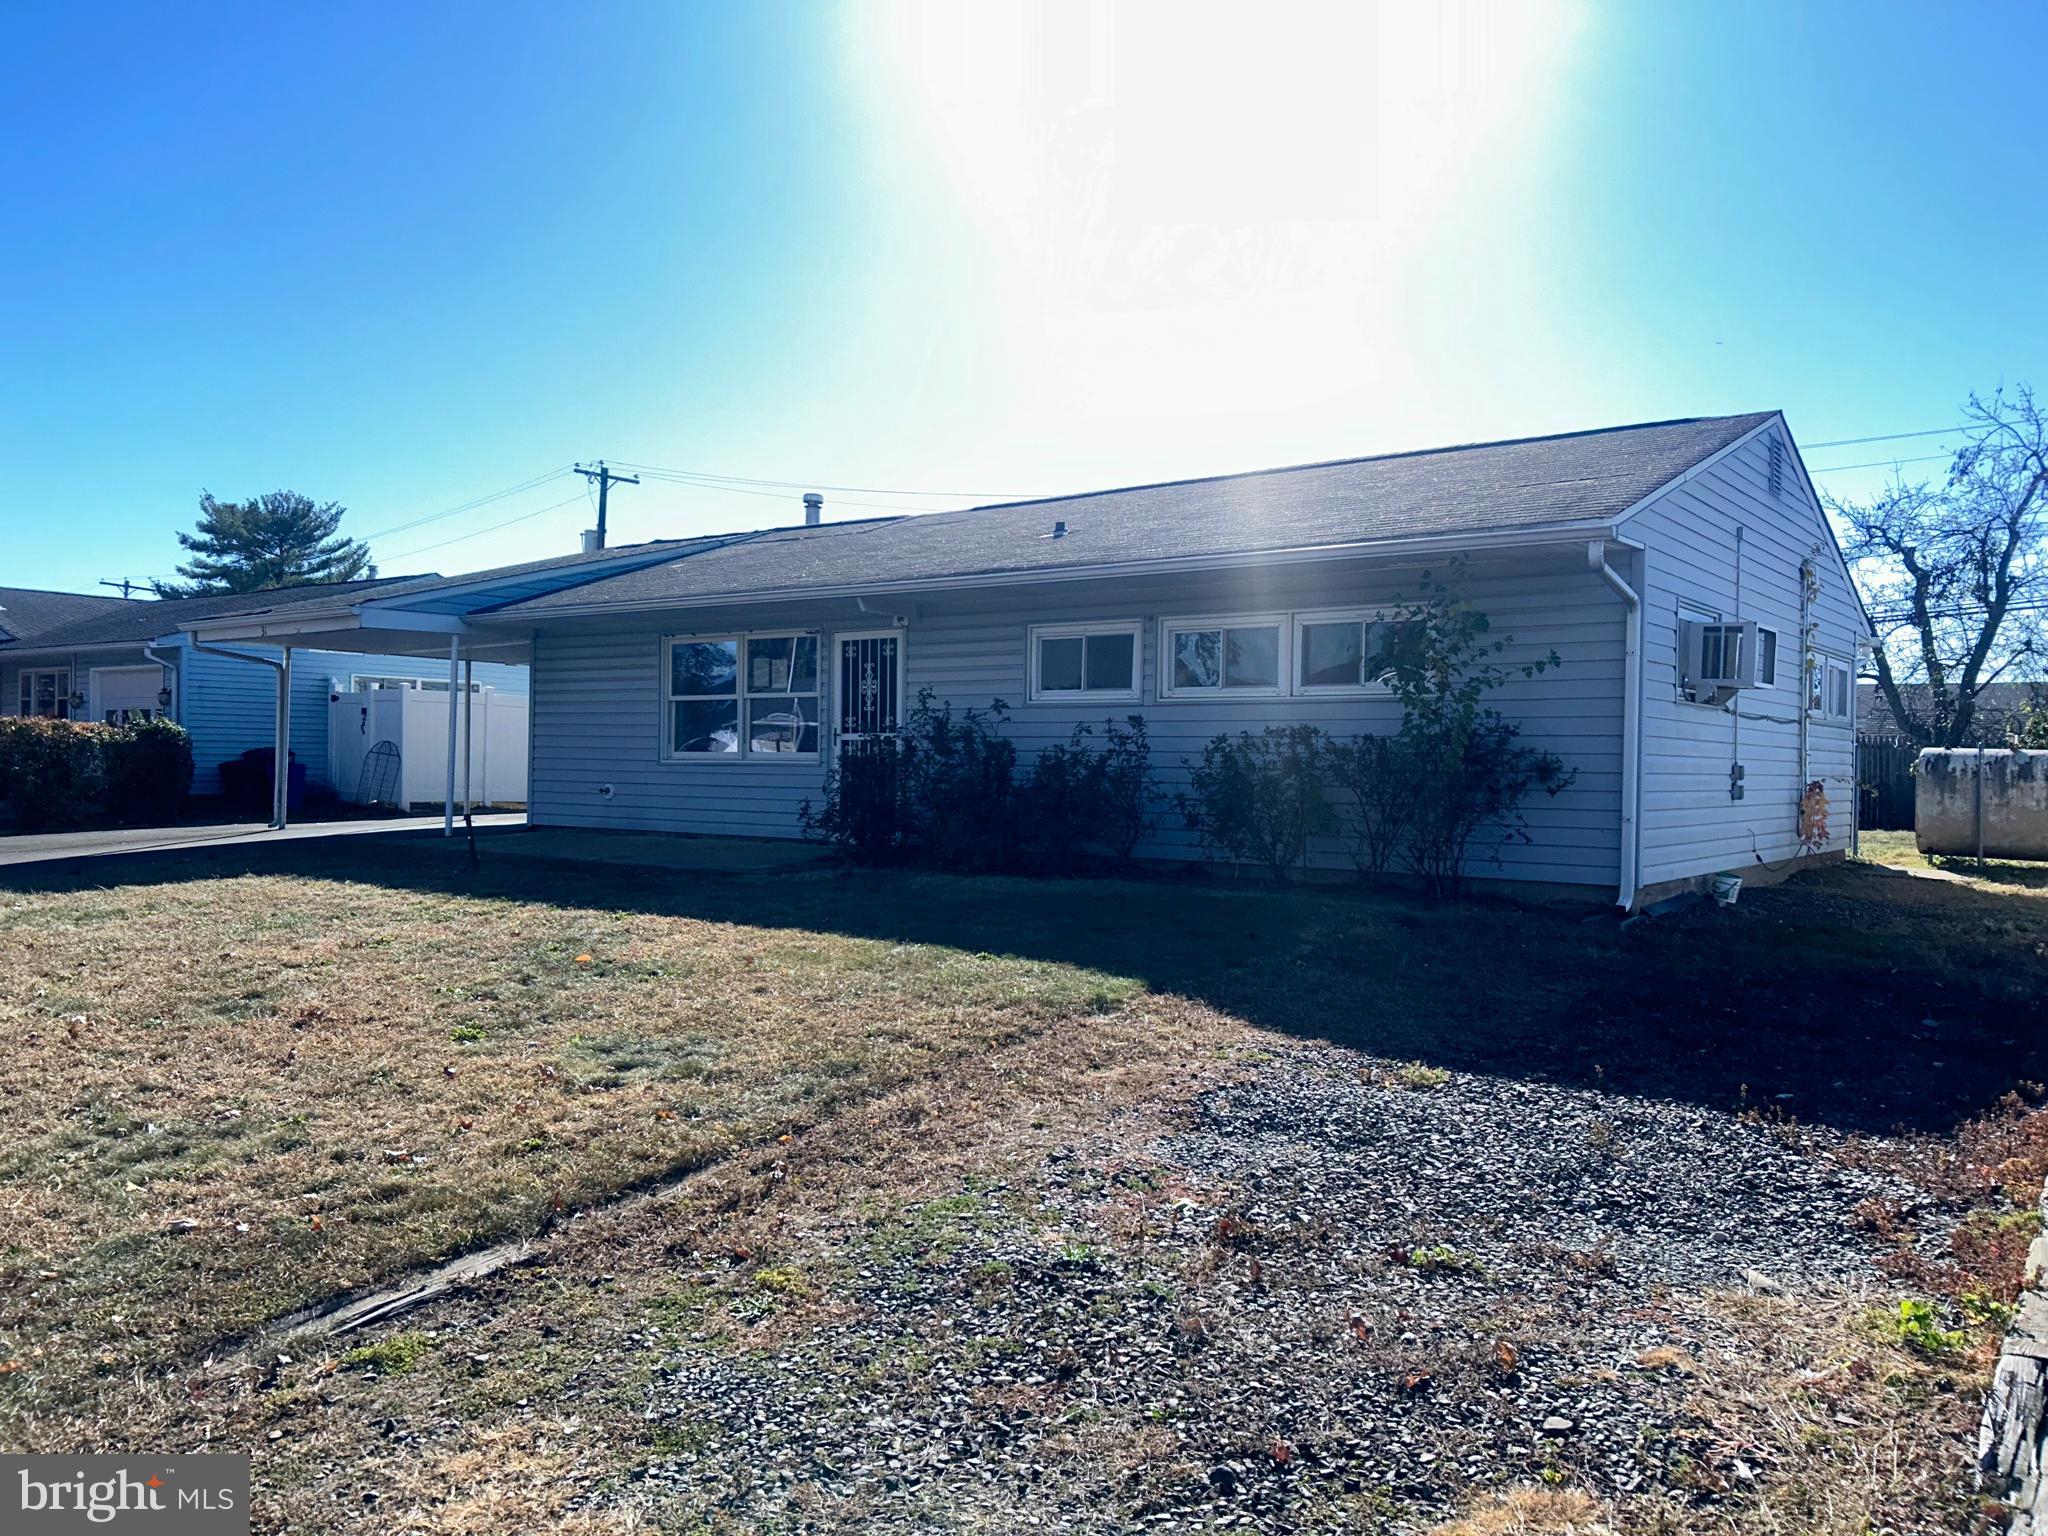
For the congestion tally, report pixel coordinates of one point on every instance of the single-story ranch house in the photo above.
(1682, 571)
(77, 656)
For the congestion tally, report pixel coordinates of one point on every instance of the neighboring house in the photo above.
(2001, 708)
(72, 656)
(704, 686)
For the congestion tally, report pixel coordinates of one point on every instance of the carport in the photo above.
(369, 629)
(425, 616)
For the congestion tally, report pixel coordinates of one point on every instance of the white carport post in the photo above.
(454, 681)
(468, 731)
(281, 769)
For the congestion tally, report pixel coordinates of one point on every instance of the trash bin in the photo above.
(246, 782)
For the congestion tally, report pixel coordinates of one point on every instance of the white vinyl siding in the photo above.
(1690, 825)
(598, 702)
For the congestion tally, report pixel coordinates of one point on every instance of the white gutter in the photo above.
(1566, 534)
(1631, 724)
(281, 767)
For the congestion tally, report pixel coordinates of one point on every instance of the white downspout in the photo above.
(454, 681)
(1631, 721)
(175, 680)
(282, 669)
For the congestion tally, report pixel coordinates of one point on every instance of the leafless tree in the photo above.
(1955, 574)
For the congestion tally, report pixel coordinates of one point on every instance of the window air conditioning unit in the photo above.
(1717, 660)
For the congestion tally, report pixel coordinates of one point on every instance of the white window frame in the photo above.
(1825, 665)
(25, 692)
(1777, 656)
(1280, 623)
(1690, 612)
(1365, 690)
(1036, 693)
(740, 640)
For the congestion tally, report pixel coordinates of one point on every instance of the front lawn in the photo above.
(1113, 1203)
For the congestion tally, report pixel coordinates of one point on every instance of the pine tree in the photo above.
(278, 540)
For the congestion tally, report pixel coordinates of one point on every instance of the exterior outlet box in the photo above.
(1716, 660)
(1736, 774)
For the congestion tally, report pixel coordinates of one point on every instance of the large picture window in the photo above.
(1240, 656)
(1084, 661)
(739, 696)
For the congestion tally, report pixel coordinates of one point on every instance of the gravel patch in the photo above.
(1331, 1296)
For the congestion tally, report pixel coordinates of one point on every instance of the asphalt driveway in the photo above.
(56, 847)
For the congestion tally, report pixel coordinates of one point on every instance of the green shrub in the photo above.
(959, 786)
(51, 771)
(1473, 778)
(863, 812)
(1378, 779)
(1076, 799)
(947, 794)
(148, 771)
(1259, 799)
(1456, 774)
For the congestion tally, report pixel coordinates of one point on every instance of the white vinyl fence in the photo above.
(390, 745)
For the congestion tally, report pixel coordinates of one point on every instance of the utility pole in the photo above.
(605, 479)
(127, 587)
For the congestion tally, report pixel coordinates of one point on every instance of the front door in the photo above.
(868, 701)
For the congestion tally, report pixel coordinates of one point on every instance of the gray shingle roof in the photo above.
(26, 612)
(124, 623)
(1525, 483)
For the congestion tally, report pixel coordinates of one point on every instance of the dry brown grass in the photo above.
(1530, 1512)
(232, 1098)
(1845, 1433)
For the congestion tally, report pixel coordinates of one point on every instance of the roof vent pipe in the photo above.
(814, 509)
(590, 544)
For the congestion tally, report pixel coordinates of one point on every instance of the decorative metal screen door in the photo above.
(869, 701)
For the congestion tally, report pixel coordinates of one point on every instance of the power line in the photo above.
(740, 490)
(1836, 469)
(812, 485)
(1888, 437)
(470, 506)
(480, 532)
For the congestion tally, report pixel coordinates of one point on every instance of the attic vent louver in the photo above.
(1777, 465)
(1059, 530)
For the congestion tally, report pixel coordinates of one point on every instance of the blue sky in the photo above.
(405, 257)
